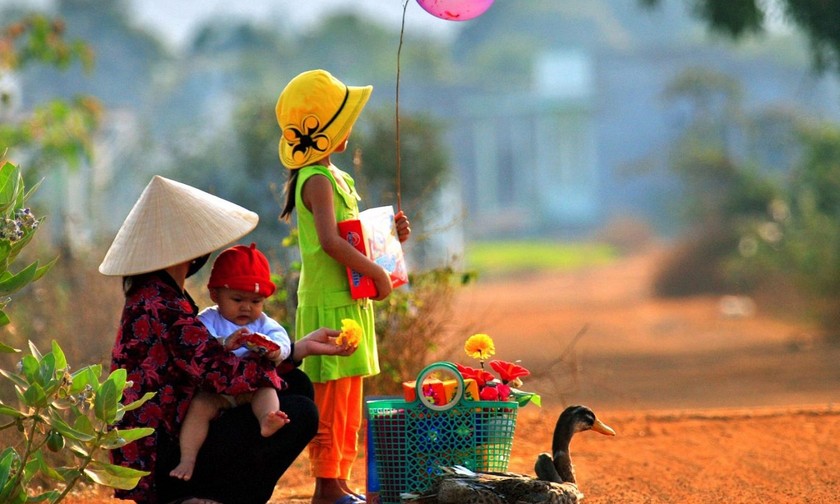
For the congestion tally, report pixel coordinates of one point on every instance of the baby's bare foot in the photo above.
(183, 470)
(272, 422)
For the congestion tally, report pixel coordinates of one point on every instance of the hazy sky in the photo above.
(176, 18)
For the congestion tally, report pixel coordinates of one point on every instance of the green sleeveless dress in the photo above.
(324, 293)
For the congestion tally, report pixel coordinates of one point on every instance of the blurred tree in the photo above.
(57, 131)
(723, 185)
(818, 20)
(127, 58)
(798, 236)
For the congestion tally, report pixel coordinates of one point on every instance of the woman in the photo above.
(165, 349)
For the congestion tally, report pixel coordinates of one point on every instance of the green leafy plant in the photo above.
(70, 414)
(17, 227)
(62, 411)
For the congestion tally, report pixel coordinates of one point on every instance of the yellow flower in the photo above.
(351, 333)
(480, 346)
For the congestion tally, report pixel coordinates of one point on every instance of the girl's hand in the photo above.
(382, 281)
(234, 341)
(403, 226)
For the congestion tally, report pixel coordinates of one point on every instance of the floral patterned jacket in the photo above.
(165, 349)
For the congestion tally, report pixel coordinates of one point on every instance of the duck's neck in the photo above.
(563, 464)
(563, 432)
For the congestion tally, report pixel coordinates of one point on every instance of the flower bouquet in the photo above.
(492, 388)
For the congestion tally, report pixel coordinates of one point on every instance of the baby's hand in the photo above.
(274, 356)
(234, 340)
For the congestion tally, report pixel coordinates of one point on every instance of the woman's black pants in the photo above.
(236, 465)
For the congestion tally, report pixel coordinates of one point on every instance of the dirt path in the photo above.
(708, 407)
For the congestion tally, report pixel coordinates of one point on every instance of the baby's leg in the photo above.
(203, 409)
(266, 407)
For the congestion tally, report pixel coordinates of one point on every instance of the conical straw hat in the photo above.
(173, 223)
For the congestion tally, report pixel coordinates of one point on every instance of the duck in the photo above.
(557, 467)
(555, 481)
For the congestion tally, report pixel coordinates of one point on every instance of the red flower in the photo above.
(480, 376)
(503, 390)
(508, 371)
(489, 394)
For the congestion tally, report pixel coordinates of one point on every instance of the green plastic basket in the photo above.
(413, 440)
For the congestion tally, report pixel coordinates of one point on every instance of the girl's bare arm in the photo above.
(317, 194)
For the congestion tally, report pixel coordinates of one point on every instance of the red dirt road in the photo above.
(708, 407)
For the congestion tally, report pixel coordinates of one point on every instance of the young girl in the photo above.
(316, 113)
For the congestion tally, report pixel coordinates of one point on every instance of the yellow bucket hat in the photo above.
(315, 112)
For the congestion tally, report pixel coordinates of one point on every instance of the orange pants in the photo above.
(335, 447)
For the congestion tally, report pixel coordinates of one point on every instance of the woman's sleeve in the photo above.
(206, 363)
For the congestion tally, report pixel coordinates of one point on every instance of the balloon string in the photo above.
(397, 108)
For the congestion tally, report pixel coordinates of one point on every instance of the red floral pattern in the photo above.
(165, 349)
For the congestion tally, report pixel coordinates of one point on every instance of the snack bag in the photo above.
(260, 344)
(374, 234)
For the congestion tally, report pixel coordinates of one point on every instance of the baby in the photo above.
(239, 283)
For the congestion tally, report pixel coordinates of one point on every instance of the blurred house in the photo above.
(564, 126)
(528, 159)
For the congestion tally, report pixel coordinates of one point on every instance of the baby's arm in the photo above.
(274, 331)
(317, 195)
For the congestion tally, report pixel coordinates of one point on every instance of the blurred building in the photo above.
(528, 160)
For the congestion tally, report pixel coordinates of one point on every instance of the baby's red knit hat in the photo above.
(242, 268)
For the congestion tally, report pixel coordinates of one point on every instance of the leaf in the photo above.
(9, 411)
(4, 319)
(31, 190)
(7, 459)
(88, 375)
(19, 280)
(114, 476)
(117, 438)
(4, 348)
(46, 371)
(34, 350)
(57, 423)
(42, 270)
(45, 468)
(35, 397)
(29, 368)
(83, 424)
(9, 179)
(17, 379)
(139, 402)
(49, 496)
(79, 451)
(105, 403)
(5, 251)
(60, 359)
(119, 377)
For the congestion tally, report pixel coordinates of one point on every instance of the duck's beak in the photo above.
(602, 428)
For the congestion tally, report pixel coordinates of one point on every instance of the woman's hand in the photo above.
(403, 226)
(320, 342)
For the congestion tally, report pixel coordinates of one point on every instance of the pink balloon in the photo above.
(455, 10)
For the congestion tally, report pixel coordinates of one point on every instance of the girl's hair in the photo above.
(289, 188)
